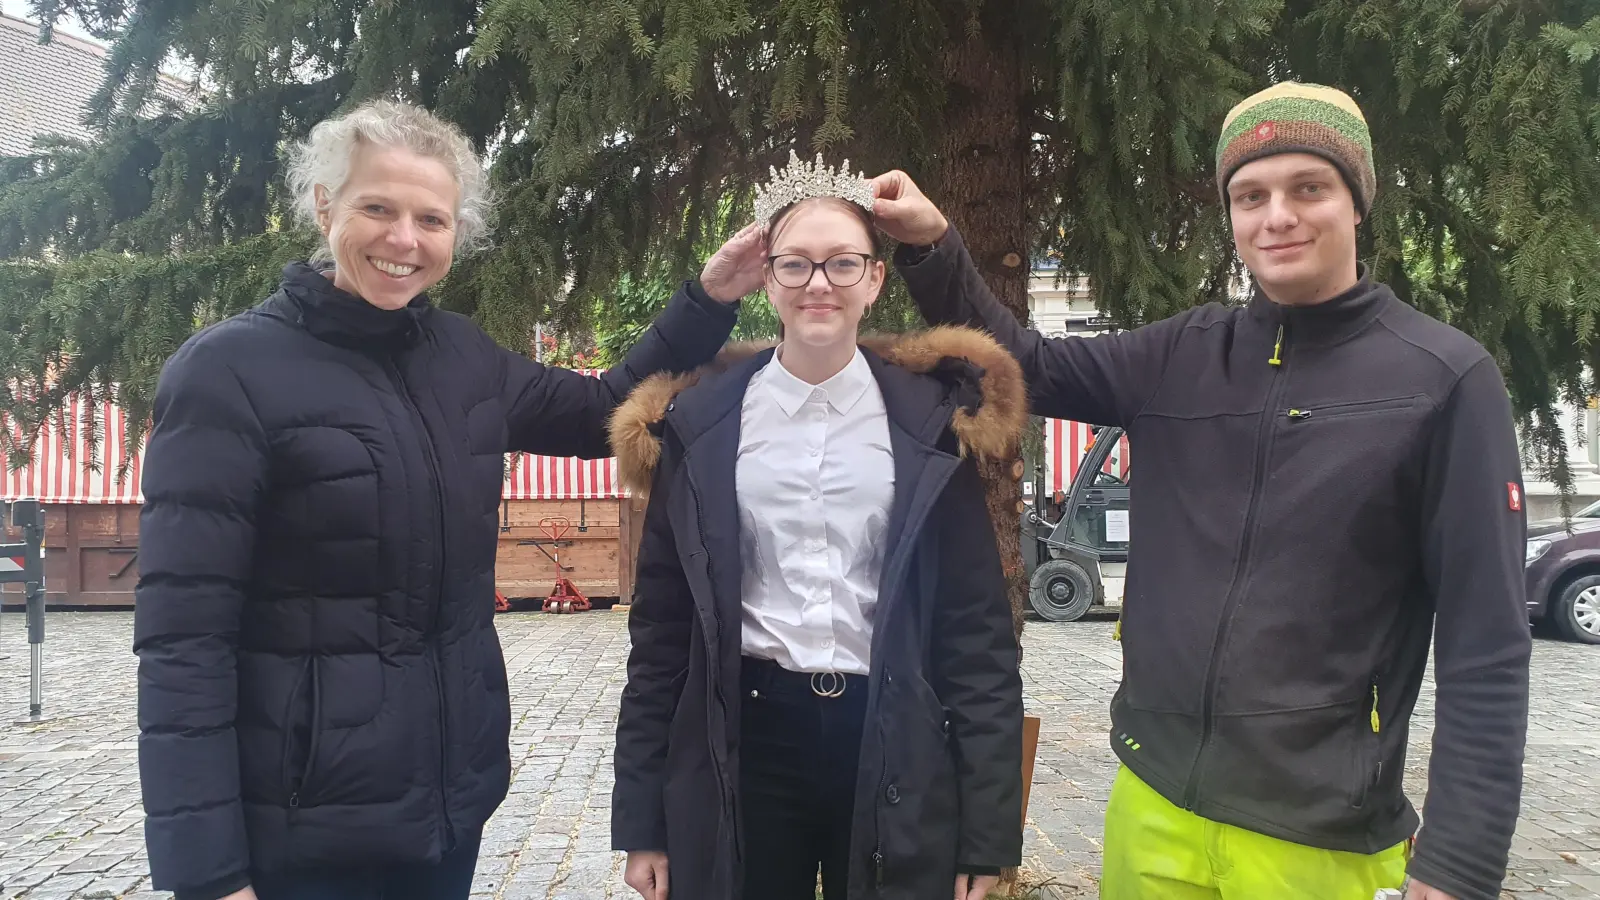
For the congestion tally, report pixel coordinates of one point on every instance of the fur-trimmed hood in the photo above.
(988, 424)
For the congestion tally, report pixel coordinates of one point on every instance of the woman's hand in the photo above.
(646, 871)
(736, 269)
(249, 893)
(975, 887)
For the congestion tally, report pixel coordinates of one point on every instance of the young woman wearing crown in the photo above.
(824, 677)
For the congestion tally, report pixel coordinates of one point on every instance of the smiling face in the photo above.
(820, 313)
(1294, 222)
(392, 225)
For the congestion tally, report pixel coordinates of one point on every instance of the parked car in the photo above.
(1563, 574)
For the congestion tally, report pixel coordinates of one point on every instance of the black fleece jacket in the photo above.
(1317, 493)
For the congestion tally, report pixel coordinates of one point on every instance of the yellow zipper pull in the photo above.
(1374, 709)
(1277, 349)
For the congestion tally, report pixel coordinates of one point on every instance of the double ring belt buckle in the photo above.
(827, 684)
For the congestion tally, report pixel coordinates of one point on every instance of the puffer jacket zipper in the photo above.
(441, 554)
(1264, 434)
(302, 775)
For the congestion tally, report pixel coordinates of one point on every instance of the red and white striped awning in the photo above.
(58, 472)
(532, 477)
(63, 471)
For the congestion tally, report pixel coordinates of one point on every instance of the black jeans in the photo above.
(798, 757)
(450, 879)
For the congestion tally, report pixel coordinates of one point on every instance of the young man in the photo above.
(1327, 478)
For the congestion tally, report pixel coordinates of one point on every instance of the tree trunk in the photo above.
(982, 169)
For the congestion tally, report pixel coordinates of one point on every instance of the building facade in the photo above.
(45, 89)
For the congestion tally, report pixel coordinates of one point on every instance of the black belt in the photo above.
(765, 676)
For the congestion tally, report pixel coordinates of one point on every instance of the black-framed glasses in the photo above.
(841, 269)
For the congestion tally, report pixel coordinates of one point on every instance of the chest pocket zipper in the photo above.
(1357, 408)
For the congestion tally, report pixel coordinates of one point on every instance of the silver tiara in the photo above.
(804, 181)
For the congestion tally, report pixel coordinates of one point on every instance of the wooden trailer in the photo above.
(572, 513)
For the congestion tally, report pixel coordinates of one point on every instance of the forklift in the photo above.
(1073, 545)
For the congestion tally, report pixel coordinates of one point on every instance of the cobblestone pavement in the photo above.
(70, 818)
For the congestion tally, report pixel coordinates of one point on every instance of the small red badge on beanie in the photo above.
(1266, 131)
(1513, 496)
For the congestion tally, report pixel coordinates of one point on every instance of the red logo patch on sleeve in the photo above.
(1513, 496)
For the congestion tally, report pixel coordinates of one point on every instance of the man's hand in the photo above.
(646, 871)
(248, 893)
(975, 887)
(736, 269)
(902, 211)
(1416, 890)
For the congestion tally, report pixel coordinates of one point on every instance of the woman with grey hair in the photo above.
(323, 706)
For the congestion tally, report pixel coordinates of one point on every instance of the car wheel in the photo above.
(1061, 590)
(1577, 611)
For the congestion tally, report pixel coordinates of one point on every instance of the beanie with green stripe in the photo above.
(1300, 118)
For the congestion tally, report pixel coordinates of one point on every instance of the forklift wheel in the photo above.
(1061, 590)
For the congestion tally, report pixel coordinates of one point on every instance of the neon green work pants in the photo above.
(1157, 851)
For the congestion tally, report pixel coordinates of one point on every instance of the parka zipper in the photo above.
(713, 658)
(440, 556)
(877, 811)
(912, 526)
(1240, 573)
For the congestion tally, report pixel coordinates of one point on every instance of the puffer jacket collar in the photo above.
(308, 298)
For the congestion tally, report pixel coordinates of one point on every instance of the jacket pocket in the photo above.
(1344, 410)
(1369, 754)
(300, 750)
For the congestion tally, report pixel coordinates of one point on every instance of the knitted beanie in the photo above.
(1300, 118)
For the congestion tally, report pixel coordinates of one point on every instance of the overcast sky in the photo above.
(20, 9)
(71, 25)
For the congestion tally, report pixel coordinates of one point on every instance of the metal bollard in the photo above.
(28, 515)
(5, 516)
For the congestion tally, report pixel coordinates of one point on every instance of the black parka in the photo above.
(941, 758)
(320, 682)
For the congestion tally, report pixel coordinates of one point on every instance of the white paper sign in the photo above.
(1116, 526)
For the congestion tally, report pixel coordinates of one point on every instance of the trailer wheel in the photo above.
(1061, 590)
